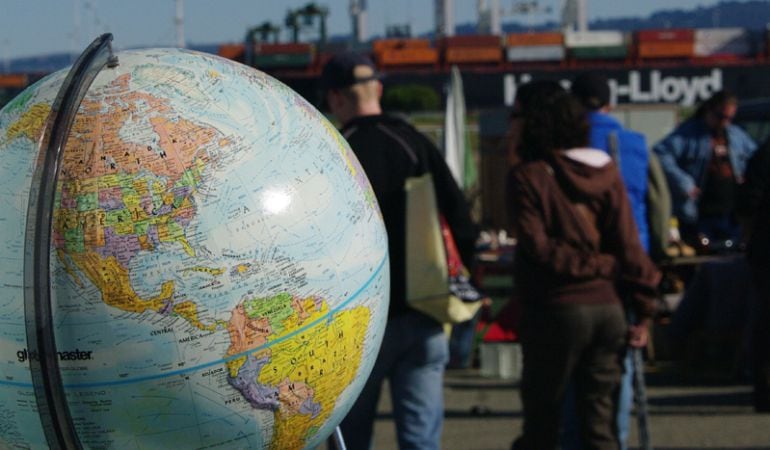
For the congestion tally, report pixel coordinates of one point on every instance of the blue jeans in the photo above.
(625, 399)
(412, 357)
(461, 343)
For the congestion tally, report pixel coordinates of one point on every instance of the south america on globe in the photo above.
(219, 266)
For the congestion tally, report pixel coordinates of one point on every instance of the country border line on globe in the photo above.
(280, 339)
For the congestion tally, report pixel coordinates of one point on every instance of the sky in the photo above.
(41, 27)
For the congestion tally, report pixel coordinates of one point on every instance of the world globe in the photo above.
(219, 267)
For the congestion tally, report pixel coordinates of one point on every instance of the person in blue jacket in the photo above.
(704, 159)
(629, 150)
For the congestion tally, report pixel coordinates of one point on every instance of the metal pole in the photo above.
(640, 394)
(41, 341)
(336, 441)
(179, 23)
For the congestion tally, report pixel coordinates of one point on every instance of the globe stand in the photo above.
(41, 342)
(336, 441)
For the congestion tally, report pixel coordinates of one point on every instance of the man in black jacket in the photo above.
(414, 348)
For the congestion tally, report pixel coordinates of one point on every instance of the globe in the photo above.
(219, 266)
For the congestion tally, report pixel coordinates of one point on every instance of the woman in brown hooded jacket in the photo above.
(578, 258)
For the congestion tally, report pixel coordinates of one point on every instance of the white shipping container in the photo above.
(535, 53)
(716, 41)
(574, 39)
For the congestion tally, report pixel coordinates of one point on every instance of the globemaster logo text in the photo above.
(72, 355)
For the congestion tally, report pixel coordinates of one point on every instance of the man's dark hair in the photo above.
(715, 102)
(553, 120)
(529, 91)
(592, 89)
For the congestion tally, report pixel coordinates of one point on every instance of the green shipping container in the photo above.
(283, 60)
(604, 52)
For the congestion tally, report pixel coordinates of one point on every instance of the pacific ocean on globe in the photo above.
(219, 264)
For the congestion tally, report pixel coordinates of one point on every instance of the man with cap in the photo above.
(414, 348)
(629, 151)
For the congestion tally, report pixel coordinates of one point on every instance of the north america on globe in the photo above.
(219, 262)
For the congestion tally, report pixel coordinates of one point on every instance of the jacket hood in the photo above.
(604, 120)
(585, 173)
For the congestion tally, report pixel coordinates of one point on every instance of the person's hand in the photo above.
(694, 193)
(639, 334)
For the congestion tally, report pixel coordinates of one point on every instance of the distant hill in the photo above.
(753, 15)
(55, 61)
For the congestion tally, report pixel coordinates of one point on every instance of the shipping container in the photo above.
(594, 39)
(531, 39)
(473, 55)
(535, 53)
(722, 41)
(283, 49)
(14, 80)
(471, 40)
(346, 46)
(407, 57)
(232, 51)
(283, 60)
(667, 35)
(601, 52)
(670, 49)
(380, 45)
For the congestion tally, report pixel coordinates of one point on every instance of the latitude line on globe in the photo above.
(278, 340)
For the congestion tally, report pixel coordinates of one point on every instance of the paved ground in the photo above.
(699, 407)
(485, 414)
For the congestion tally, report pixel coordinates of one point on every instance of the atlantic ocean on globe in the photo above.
(219, 263)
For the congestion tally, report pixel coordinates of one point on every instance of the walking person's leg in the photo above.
(597, 378)
(417, 384)
(358, 425)
(552, 341)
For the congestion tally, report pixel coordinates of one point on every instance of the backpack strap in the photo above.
(613, 146)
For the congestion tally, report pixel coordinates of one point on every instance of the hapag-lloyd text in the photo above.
(636, 88)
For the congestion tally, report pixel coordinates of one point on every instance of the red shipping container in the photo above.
(532, 39)
(471, 40)
(473, 55)
(231, 51)
(666, 50)
(667, 35)
(407, 57)
(13, 80)
(387, 44)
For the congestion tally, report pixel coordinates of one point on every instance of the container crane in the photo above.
(490, 13)
(574, 15)
(489, 17)
(358, 19)
(298, 19)
(445, 22)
